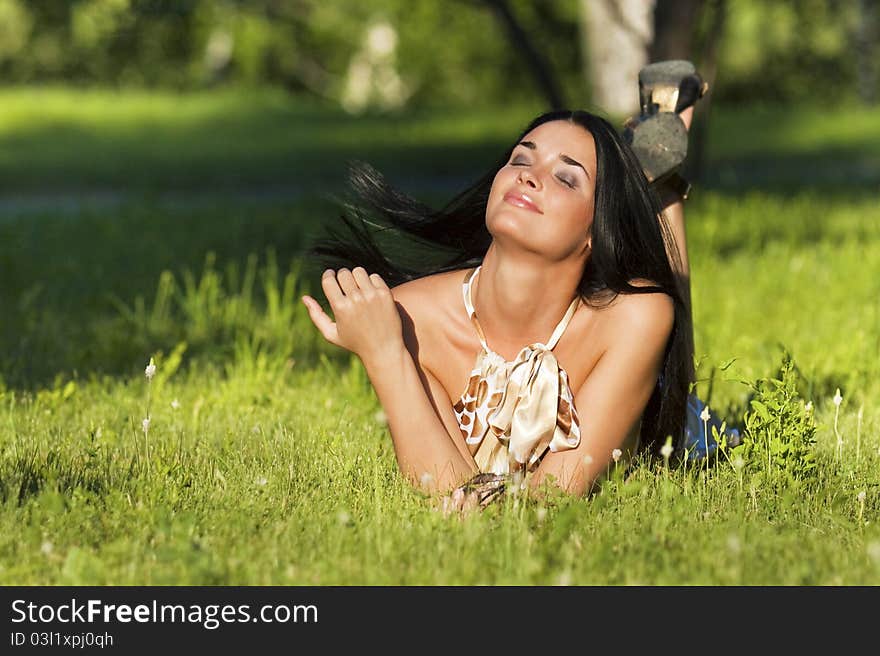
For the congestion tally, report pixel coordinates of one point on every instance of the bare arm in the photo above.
(612, 399)
(420, 417)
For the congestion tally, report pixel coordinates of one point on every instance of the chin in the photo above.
(509, 222)
(510, 231)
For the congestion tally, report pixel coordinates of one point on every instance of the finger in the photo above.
(346, 281)
(331, 287)
(471, 502)
(457, 500)
(362, 279)
(377, 281)
(322, 322)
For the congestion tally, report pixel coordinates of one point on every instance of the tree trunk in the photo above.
(674, 29)
(866, 50)
(707, 62)
(615, 37)
(518, 37)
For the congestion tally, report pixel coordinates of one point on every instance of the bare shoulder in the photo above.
(428, 295)
(427, 304)
(645, 315)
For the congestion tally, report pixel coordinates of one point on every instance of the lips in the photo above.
(519, 199)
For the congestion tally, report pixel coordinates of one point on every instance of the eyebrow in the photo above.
(565, 158)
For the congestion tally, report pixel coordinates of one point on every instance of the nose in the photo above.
(526, 177)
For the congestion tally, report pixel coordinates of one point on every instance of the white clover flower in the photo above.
(541, 514)
(809, 406)
(343, 518)
(175, 404)
(46, 548)
(838, 399)
(588, 460)
(666, 450)
(150, 371)
(861, 496)
(261, 481)
(616, 454)
(426, 479)
(380, 417)
(704, 415)
(146, 424)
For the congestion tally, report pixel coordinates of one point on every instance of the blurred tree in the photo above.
(15, 28)
(788, 51)
(519, 39)
(620, 37)
(615, 36)
(372, 77)
(674, 29)
(448, 53)
(710, 35)
(867, 34)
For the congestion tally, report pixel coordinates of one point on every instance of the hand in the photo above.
(477, 493)
(367, 320)
(458, 501)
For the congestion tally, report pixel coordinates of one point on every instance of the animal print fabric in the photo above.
(515, 411)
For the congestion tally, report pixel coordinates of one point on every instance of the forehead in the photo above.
(566, 138)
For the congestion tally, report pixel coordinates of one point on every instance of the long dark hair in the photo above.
(628, 243)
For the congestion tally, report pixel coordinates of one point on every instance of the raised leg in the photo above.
(673, 214)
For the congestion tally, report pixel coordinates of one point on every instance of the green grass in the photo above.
(272, 465)
(159, 141)
(52, 139)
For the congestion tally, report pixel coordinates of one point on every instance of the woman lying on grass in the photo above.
(554, 339)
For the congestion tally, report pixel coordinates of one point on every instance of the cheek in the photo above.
(501, 181)
(576, 213)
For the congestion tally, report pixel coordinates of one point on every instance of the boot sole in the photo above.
(660, 144)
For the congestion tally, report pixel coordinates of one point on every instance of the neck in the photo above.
(519, 301)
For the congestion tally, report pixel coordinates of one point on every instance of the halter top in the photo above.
(516, 410)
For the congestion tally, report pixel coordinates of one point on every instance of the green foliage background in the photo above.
(449, 53)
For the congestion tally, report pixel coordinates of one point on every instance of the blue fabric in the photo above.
(696, 440)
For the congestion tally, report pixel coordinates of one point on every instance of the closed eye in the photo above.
(566, 181)
(519, 161)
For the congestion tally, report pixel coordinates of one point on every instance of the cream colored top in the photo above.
(516, 410)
